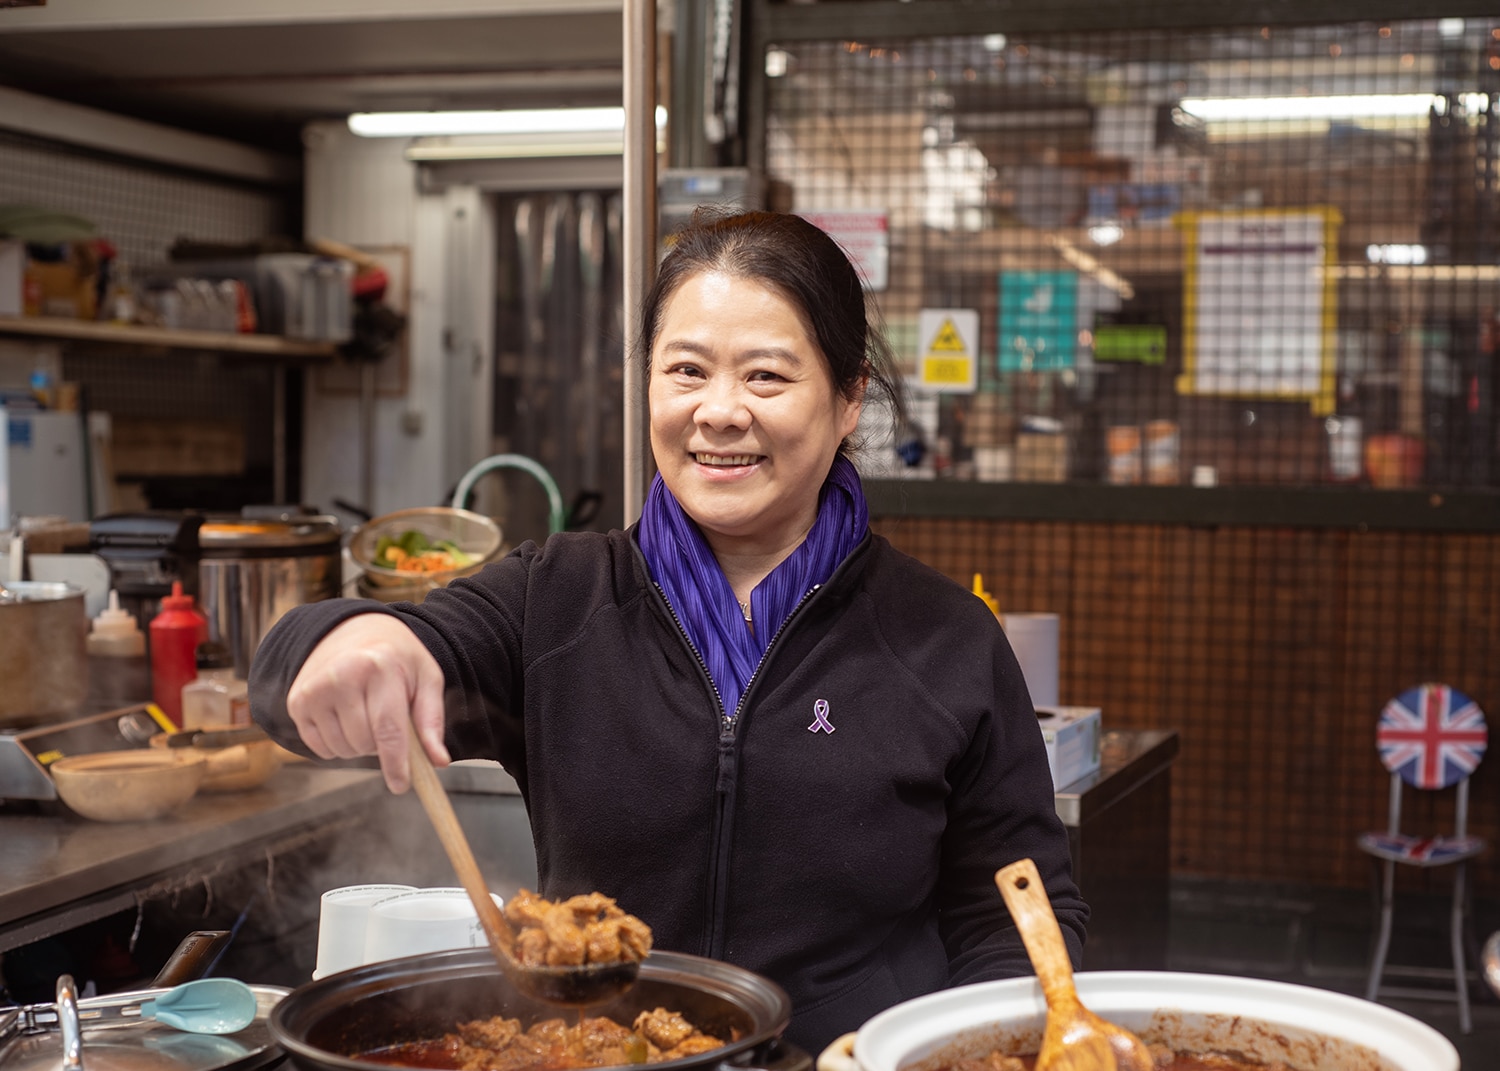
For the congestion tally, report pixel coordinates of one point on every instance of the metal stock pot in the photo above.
(1305, 1028)
(44, 667)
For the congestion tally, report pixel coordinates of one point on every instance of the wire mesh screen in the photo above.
(1256, 255)
(141, 210)
(1271, 651)
(1237, 256)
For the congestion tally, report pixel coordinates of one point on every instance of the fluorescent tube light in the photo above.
(518, 122)
(1396, 254)
(1365, 106)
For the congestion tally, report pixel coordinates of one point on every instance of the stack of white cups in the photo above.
(1033, 637)
(362, 924)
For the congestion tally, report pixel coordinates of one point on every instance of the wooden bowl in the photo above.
(233, 768)
(128, 786)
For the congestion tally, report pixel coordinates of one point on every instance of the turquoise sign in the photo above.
(1038, 320)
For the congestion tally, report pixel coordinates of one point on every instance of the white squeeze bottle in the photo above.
(114, 633)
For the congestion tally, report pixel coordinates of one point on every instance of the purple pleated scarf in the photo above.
(682, 563)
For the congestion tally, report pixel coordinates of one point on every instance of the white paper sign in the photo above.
(865, 236)
(1259, 304)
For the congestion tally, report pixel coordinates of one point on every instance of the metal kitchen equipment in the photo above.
(255, 567)
(107, 1032)
(44, 670)
(25, 754)
(146, 551)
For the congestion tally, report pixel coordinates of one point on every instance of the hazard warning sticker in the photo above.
(948, 350)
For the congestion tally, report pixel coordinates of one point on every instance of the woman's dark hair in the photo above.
(804, 265)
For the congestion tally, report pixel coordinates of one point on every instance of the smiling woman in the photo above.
(745, 417)
(748, 719)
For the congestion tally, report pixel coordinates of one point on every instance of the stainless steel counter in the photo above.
(1128, 758)
(58, 870)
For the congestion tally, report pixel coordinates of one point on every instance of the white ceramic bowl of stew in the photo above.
(1305, 1028)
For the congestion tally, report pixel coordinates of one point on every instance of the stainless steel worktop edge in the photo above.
(54, 859)
(1129, 758)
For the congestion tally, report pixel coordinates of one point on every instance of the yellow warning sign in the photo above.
(946, 371)
(948, 354)
(947, 340)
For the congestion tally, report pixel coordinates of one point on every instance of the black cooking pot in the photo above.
(325, 1024)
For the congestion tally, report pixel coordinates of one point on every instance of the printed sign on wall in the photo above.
(948, 350)
(865, 236)
(1260, 307)
(1038, 320)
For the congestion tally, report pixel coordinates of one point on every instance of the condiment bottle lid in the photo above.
(989, 600)
(211, 655)
(114, 621)
(177, 600)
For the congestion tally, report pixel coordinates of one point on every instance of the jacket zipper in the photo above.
(724, 782)
(697, 657)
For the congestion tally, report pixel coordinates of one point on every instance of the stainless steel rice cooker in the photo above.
(251, 571)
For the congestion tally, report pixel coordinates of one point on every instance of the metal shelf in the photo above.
(272, 349)
(262, 347)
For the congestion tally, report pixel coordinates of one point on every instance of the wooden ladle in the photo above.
(589, 983)
(1075, 1039)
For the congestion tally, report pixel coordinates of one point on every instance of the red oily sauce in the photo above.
(500, 1044)
(439, 1053)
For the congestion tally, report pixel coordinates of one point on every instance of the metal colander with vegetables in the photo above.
(413, 552)
(405, 554)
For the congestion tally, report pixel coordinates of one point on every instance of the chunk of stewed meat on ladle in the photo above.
(589, 928)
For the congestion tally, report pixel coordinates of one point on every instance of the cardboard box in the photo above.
(147, 447)
(989, 422)
(1041, 457)
(1072, 736)
(12, 277)
(67, 288)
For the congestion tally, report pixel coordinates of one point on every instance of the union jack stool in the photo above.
(1430, 738)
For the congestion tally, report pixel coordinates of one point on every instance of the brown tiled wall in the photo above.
(1271, 651)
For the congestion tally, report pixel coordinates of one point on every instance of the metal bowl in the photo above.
(473, 533)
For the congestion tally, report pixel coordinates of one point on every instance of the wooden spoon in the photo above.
(1075, 1038)
(588, 983)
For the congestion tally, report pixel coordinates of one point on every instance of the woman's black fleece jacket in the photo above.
(840, 835)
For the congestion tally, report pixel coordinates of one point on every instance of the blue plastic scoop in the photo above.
(207, 1006)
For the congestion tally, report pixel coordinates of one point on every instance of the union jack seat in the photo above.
(1431, 738)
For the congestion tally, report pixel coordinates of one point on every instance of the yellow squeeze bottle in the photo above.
(989, 600)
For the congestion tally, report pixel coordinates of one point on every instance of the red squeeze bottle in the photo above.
(176, 633)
